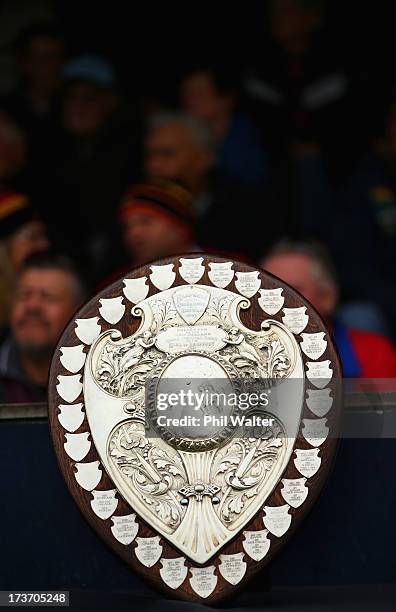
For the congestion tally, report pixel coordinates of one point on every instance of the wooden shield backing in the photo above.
(124, 498)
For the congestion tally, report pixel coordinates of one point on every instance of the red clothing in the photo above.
(375, 353)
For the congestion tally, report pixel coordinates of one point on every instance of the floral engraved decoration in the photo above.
(122, 369)
(241, 469)
(153, 472)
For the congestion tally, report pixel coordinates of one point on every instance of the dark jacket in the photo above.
(15, 386)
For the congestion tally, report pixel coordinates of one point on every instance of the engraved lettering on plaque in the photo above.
(191, 303)
(296, 319)
(173, 572)
(88, 475)
(87, 330)
(319, 401)
(72, 358)
(125, 528)
(319, 373)
(248, 283)
(271, 300)
(71, 416)
(294, 491)
(136, 289)
(69, 387)
(163, 277)
(221, 274)
(307, 461)
(313, 345)
(112, 309)
(148, 550)
(233, 567)
(191, 270)
(200, 338)
(315, 431)
(203, 580)
(77, 445)
(277, 519)
(256, 543)
(104, 503)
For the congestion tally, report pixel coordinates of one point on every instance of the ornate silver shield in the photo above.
(198, 475)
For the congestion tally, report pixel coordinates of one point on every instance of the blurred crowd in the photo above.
(280, 166)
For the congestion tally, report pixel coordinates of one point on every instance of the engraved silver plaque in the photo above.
(295, 319)
(271, 300)
(148, 550)
(307, 461)
(232, 567)
(277, 519)
(125, 528)
(315, 431)
(256, 543)
(203, 580)
(248, 283)
(173, 571)
(104, 503)
(319, 401)
(221, 274)
(294, 491)
(314, 345)
(191, 270)
(319, 373)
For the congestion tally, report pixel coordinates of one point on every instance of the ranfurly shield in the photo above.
(200, 508)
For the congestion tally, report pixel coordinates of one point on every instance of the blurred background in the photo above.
(263, 132)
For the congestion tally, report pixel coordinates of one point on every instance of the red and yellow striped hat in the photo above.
(15, 211)
(159, 197)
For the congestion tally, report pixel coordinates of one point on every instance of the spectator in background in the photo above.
(22, 233)
(179, 146)
(48, 293)
(40, 58)
(93, 164)
(301, 89)
(157, 221)
(358, 225)
(305, 267)
(13, 151)
(208, 94)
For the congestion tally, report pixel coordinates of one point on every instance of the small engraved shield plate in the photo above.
(277, 519)
(203, 580)
(174, 571)
(296, 319)
(271, 300)
(314, 345)
(294, 491)
(191, 270)
(256, 543)
(232, 567)
(148, 550)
